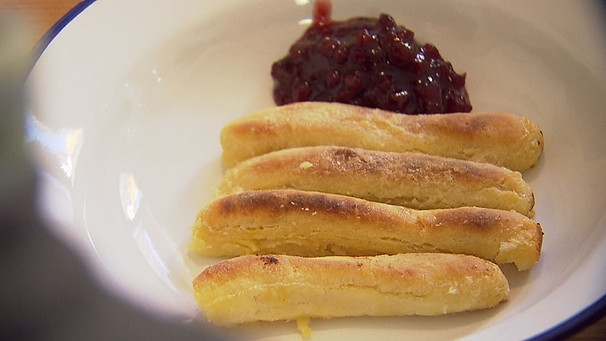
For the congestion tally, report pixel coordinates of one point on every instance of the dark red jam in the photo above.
(368, 62)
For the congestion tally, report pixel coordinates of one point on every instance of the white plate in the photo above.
(128, 101)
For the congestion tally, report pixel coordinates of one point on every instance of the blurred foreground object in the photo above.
(47, 293)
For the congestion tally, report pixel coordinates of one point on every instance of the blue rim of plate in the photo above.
(565, 329)
(58, 27)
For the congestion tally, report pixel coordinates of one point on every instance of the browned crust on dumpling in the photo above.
(413, 180)
(499, 138)
(319, 224)
(279, 287)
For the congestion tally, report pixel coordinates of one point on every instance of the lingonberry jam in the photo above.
(368, 62)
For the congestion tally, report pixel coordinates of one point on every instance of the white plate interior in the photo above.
(125, 121)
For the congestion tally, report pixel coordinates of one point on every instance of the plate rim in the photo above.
(57, 27)
(583, 318)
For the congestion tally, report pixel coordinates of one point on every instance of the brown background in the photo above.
(42, 14)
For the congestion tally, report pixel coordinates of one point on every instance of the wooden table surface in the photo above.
(42, 14)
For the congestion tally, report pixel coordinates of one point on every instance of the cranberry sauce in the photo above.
(368, 62)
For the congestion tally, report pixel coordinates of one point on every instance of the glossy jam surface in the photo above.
(368, 62)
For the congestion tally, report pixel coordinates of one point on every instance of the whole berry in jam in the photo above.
(368, 62)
